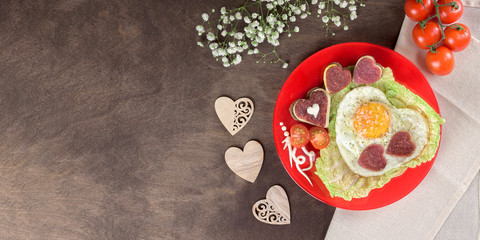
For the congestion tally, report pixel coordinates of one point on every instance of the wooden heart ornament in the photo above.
(275, 209)
(234, 115)
(247, 163)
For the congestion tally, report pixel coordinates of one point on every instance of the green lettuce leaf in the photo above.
(334, 172)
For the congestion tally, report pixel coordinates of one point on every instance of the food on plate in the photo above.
(336, 78)
(376, 131)
(440, 62)
(366, 70)
(365, 125)
(319, 137)
(314, 110)
(299, 136)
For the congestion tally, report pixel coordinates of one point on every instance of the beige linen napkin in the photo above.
(421, 214)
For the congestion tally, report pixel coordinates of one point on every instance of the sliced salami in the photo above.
(401, 145)
(336, 78)
(372, 158)
(367, 71)
(314, 110)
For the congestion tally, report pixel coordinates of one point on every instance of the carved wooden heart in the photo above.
(247, 163)
(234, 115)
(275, 209)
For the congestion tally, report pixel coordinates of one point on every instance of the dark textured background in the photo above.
(108, 129)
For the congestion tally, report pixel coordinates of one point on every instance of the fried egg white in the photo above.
(355, 131)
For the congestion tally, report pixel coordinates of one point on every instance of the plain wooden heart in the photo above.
(234, 115)
(247, 163)
(275, 209)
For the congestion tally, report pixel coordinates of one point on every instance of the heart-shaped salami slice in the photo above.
(314, 110)
(336, 78)
(401, 145)
(367, 71)
(372, 158)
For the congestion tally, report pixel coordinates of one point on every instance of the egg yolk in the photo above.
(371, 120)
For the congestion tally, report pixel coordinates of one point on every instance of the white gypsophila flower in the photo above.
(293, 19)
(298, 11)
(270, 18)
(303, 7)
(275, 35)
(296, 29)
(231, 44)
(352, 8)
(344, 4)
(226, 64)
(238, 35)
(237, 59)
(215, 53)
(254, 15)
(352, 2)
(284, 16)
(231, 18)
(219, 27)
(260, 28)
(255, 51)
(321, 5)
(303, 16)
(280, 2)
(250, 52)
(353, 15)
(221, 52)
(210, 36)
(319, 11)
(224, 59)
(205, 17)
(231, 50)
(337, 2)
(285, 65)
(337, 23)
(223, 10)
(200, 44)
(254, 43)
(314, 2)
(247, 20)
(224, 33)
(289, 35)
(269, 6)
(225, 20)
(345, 27)
(213, 46)
(325, 19)
(238, 16)
(275, 42)
(200, 29)
(255, 24)
(280, 29)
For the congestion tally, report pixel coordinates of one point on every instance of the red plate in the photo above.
(309, 74)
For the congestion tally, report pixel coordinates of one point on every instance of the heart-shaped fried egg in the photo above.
(373, 136)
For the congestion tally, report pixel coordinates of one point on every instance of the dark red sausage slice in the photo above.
(401, 145)
(366, 70)
(313, 110)
(336, 78)
(372, 158)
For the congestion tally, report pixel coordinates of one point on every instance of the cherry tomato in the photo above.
(450, 14)
(299, 135)
(416, 11)
(426, 36)
(457, 37)
(319, 137)
(440, 62)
